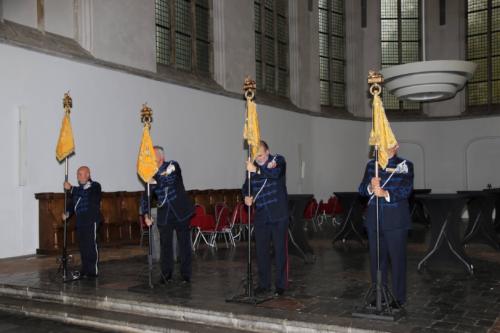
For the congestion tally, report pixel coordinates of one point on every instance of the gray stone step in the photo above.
(123, 308)
(102, 320)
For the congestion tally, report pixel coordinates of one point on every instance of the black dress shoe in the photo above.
(186, 280)
(279, 292)
(260, 291)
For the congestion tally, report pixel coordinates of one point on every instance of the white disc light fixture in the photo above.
(427, 81)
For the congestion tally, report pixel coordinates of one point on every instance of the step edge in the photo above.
(176, 312)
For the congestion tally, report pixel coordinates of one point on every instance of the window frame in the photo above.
(400, 42)
(194, 38)
(277, 66)
(490, 106)
(330, 58)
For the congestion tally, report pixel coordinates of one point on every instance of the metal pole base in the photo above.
(372, 313)
(245, 299)
(382, 309)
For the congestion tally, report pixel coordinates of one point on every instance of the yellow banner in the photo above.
(146, 161)
(251, 131)
(66, 143)
(381, 133)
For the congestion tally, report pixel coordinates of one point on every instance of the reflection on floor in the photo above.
(439, 298)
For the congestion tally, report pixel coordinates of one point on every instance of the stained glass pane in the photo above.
(332, 53)
(400, 41)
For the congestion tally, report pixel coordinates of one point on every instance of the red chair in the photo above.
(335, 203)
(311, 213)
(324, 214)
(203, 226)
(223, 224)
(243, 220)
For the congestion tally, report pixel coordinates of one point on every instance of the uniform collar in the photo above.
(86, 185)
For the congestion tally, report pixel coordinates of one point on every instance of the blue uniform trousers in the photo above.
(166, 242)
(278, 234)
(89, 254)
(393, 247)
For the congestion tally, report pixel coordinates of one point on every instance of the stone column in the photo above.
(234, 43)
(303, 54)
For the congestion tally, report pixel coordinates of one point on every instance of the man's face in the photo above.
(159, 158)
(262, 155)
(83, 175)
(393, 151)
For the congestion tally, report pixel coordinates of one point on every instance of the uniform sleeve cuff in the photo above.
(388, 197)
(370, 192)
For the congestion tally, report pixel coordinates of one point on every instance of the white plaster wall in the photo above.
(21, 11)
(59, 17)
(123, 32)
(340, 154)
(457, 155)
(201, 130)
(483, 162)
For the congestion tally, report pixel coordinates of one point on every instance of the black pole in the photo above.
(64, 257)
(249, 290)
(379, 272)
(150, 241)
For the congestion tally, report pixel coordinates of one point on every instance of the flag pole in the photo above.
(150, 242)
(64, 257)
(383, 297)
(67, 105)
(249, 87)
(249, 297)
(147, 119)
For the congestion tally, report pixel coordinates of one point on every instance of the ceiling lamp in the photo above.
(427, 81)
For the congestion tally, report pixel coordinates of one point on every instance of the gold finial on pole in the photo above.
(67, 103)
(375, 79)
(146, 115)
(249, 86)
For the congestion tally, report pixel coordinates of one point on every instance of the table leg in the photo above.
(436, 245)
(469, 267)
(346, 222)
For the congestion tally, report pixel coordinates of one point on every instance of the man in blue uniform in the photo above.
(270, 197)
(392, 190)
(175, 209)
(85, 203)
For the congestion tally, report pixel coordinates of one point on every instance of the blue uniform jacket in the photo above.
(85, 202)
(170, 193)
(268, 187)
(395, 213)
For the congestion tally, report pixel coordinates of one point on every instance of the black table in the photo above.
(480, 208)
(417, 210)
(445, 211)
(353, 206)
(298, 240)
(496, 192)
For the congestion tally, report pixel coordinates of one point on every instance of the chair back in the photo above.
(311, 209)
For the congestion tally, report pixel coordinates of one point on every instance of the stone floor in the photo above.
(11, 323)
(440, 299)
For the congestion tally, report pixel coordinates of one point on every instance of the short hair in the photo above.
(264, 144)
(160, 149)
